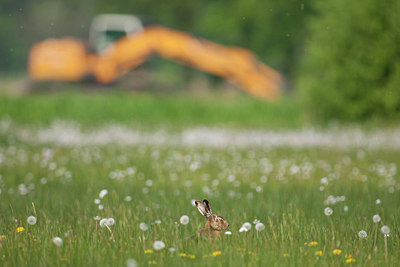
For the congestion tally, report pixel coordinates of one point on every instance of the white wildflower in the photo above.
(171, 249)
(247, 225)
(103, 222)
(378, 201)
(157, 245)
(128, 198)
(97, 218)
(346, 208)
(31, 220)
(103, 193)
(328, 211)
(143, 226)
(110, 221)
(184, 219)
(385, 230)
(131, 263)
(376, 218)
(97, 201)
(260, 226)
(362, 234)
(57, 241)
(228, 232)
(100, 207)
(157, 221)
(242, 229)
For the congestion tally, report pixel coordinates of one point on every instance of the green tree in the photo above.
(351, 62)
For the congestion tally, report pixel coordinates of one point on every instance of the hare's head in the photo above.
(215, 222)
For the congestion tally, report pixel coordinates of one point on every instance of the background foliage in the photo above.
(343, 58)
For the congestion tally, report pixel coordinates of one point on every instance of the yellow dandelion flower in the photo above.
(3, 237)
(182, 254)
(148, 251)
(192, 256)
(312, 243)
(318, 253)
(349, 260)
(20, 229)
(216, 253)
(337, 252)
(347, 256)
(151, 262)
(286, 255)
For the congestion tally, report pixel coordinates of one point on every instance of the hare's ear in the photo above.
(207, 205)
(200, 206)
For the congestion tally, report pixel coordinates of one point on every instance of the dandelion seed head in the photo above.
(171, 249)
(378, 201)
(57, 241)
(131, 263)
(110, 221)
(103, 222)
(97, 201)
(376, 218)
(247, 225)
(385, 230)
(243, 229)
(328, 211)
(228, 232)
(184, 219)
(128, 198)
(260, 226)
(100, 207)
(31, 220)
(158, 245)
(143, 226)
(103, 193)
(362, 234)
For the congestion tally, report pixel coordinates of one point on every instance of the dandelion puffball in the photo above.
(103, 222)
(385, 230)
(228, 232)
(378, 201)
(376, 218)
(110, 221)
(157, 245)
(362, 234)
(242, 229)
(328, 211)
(143, 226)
(97, 201)
(31, 220)
(103, 193)
(260, 226)
(57, 241)
(131, 263)
(184, 219)
(247, 225)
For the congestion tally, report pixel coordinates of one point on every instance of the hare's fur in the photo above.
(215, 223)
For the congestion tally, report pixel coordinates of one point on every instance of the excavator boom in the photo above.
(235, 64)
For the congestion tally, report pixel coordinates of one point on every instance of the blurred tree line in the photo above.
(341, 57)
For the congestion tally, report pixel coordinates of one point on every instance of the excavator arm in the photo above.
(235, 64)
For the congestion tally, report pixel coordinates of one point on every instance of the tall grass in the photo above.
(171, 111)
(280, 187)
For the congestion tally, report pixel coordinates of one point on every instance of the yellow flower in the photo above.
(192, 256)
(286, 254)
(20, 229)
(337, 252)
(312, 243)
(3, 237)
(148, 251)
(318, 253)
(347, 256)
(151, 262)
(182, 254)
(216, 253)
(350, 260)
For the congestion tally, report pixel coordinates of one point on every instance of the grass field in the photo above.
(287, 189)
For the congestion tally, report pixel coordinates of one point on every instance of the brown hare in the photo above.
(214, 224)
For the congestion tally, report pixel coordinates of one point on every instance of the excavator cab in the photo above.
(105, 29)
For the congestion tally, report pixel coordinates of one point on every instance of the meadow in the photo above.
(314, 202)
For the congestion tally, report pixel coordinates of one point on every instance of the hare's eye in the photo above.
(220, 219)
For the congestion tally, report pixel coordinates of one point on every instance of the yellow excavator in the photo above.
(121, 43)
